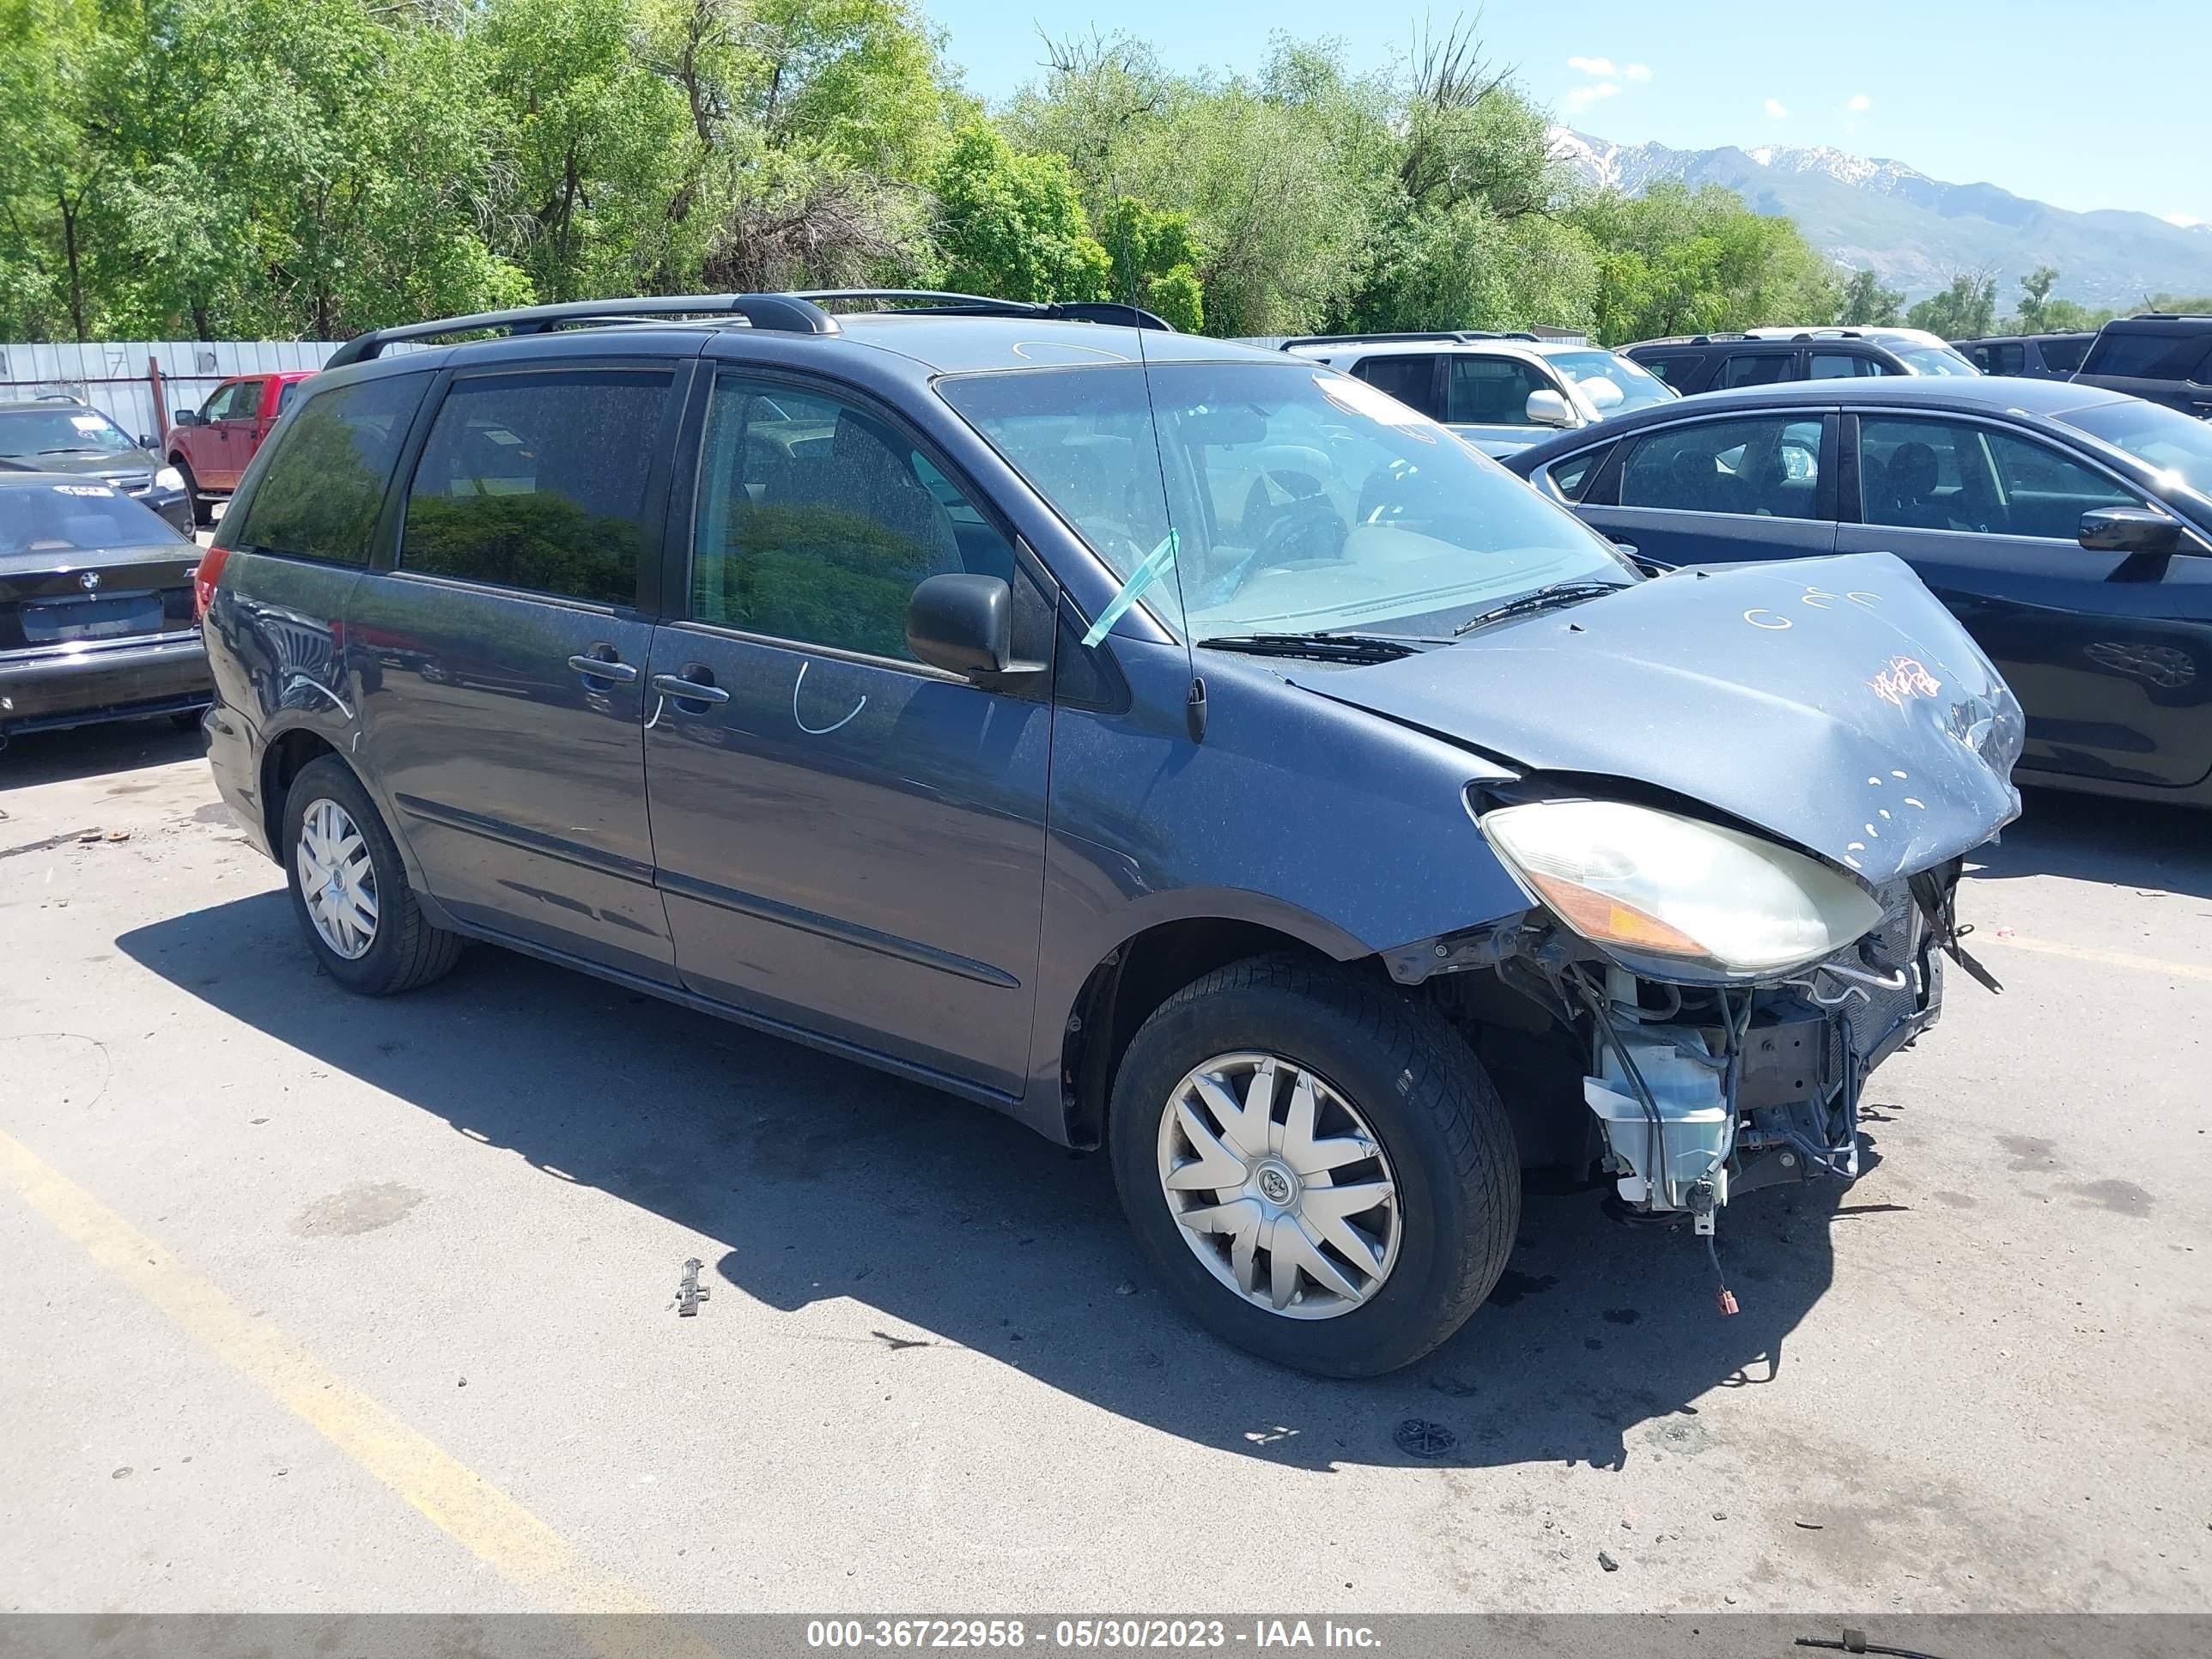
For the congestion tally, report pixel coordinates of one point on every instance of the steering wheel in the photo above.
(1308, 530)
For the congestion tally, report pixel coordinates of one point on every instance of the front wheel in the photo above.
(1319, 1170)
(195, 503)
(350, 888)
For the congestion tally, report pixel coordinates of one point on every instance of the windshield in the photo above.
(2155, 434)
(1638, 388)
(63, 428)
(76, 518)
(1933, 360)
(1301, 500)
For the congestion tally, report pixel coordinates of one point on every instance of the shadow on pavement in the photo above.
(83, 751)
(948, 1224)
(2097, 838)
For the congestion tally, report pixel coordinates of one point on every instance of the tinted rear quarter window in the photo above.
(324, 486)
(539, 482)
(2063, 356)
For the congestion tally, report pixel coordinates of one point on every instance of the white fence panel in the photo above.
(112, 376)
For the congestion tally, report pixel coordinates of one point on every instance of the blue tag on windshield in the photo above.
(1155, 563)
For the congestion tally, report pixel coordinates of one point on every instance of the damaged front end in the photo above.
(1723, 996)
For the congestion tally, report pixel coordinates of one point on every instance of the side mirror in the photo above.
(145, 441)
(186, 417)
(965, 623)
(2129, 530)
(1550, 409)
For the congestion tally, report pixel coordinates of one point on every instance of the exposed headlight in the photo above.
(1652, 883)
(168, 478)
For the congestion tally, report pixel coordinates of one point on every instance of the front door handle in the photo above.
(604, 668)
(683, 690)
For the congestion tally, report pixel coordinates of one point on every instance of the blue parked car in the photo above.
(1187, 749)
(2069, 528)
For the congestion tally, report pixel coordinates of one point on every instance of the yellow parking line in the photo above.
(2090, 953)
(495, 1528)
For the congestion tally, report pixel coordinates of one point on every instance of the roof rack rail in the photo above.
(784, 313)
(1401, 337)
(2167, 317)
(938, 303)
(1718, 339)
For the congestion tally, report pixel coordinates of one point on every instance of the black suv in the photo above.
(2030, 356)
(1761, 357)
(2161, 355)
(1178, 746)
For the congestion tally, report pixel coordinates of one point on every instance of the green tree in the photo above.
(1675, 261)
(1154, 261)
(1011, 224)
(1867, 304)
(1966, 310)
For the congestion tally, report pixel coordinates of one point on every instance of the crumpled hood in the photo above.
(1832, 702)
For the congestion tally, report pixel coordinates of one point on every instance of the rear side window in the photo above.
(1767, 467)
(1491, 391)
(539, 482)
(1841, 366)
(2147, 357)
(1757, 369)
(324, 486)
(2063, 356)
(1410, 379)
(1677, 372)
(817, 519)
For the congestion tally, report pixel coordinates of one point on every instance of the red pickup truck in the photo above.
(211, 444)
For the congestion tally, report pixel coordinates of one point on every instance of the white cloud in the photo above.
(1775, 109)
(1592, 65)
(2186, 220)
(1860, 104)
(1583, 97)
(1638, 71)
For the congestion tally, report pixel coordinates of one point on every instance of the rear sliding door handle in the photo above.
(684, 690)
(604, 668)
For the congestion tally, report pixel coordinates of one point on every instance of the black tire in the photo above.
(405, 951)
(1424, 1095)
(195, 503)
(188, 720)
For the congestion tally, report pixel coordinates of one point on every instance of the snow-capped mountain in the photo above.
(1915, 231)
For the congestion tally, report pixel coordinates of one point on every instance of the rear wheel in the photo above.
(350, 888)
(1319, 1170)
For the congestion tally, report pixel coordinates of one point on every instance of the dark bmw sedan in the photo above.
(2069, 529)
(95, 608)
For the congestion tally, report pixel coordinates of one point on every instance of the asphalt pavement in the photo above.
(318, 1304)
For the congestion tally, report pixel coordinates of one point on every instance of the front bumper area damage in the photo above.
(1703, 1092)
(1693, 1093)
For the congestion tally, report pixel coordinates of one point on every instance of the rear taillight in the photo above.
(205, 580)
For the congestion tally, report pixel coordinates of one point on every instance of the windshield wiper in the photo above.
(1324, 648)
(1544, 599)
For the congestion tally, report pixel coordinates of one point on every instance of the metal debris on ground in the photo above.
(689, 1293)
(1607, 1562)
(1417, 1438)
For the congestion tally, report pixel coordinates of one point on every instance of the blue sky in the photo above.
(2081, 105)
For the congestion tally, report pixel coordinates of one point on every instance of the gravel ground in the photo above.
(318, 1304)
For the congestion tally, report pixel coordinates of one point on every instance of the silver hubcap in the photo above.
(337, 879)
(1281, 1188)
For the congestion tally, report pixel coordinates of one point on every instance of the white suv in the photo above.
(1501, 392)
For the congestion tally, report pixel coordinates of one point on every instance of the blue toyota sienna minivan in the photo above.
(1186, 748)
